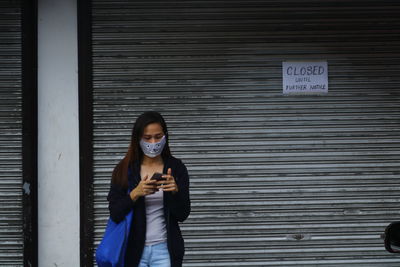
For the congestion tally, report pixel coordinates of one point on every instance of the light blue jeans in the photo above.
(155, 256)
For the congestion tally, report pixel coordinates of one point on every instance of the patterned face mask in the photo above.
(152, 150)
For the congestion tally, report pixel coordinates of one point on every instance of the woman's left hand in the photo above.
(169, 185)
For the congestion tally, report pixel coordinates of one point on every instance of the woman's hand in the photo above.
(168, 185)
(144, 188)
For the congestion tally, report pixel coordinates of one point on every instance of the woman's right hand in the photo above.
(144, 188)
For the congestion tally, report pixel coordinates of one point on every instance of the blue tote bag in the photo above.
(111, 250)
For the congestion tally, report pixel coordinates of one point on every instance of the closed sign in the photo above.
(305, 77)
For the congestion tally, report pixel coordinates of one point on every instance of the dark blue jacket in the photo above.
(176, 209)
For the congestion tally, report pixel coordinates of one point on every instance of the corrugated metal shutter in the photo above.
(11, 236)
(275, 180)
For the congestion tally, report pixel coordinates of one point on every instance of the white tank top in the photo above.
(156, 231)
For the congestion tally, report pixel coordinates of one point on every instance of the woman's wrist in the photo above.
(133, 195)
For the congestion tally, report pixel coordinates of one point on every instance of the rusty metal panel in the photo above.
(11, 233)
(275, 180)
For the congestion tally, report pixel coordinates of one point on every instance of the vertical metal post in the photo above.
(29, 132)
(85, 131)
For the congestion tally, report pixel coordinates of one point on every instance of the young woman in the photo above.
(155, 239)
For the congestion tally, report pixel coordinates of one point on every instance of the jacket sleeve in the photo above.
(119, 203)
(180, 201)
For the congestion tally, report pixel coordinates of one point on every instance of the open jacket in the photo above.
(176, 209)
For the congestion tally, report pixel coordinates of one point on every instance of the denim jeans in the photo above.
(155, 256)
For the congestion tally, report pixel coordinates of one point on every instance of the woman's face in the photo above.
(152, 133)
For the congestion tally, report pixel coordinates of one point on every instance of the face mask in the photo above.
(153, 149)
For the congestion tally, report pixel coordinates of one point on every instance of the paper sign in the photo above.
(305, 77)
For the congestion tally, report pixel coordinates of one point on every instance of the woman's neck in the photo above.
(147, 161)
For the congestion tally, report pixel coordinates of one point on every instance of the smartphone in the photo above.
(158, 177)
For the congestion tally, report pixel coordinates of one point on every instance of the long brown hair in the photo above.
(135, 153)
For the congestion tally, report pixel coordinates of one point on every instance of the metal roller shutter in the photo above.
(275, 180)
(11, 233)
